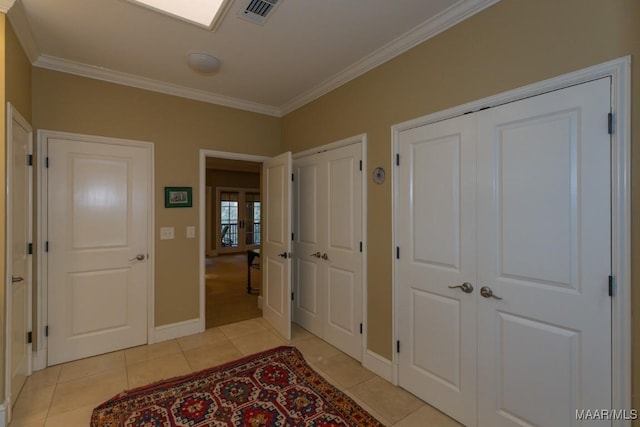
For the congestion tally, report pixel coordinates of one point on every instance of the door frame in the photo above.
(40, 357)
(14, 114)
(202, 195)
(369, 360)
(619, 70)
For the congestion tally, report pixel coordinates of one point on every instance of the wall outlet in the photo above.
(166, 233)
(191, 232)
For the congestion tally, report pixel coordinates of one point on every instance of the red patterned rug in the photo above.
(272, 388)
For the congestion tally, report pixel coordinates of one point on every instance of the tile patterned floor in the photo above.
(65, 395)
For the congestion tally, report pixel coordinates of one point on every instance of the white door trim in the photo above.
(14, 114)
(204, 153)
(370, 360)
(40, 359)
(619, 70)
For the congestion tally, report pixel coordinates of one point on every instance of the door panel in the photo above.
(437, 214)
(98, 221)
(544, 205)
(306, 244)
(276, 254)
(343, 234)
(20, 232)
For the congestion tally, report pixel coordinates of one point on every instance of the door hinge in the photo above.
(360, 164)
(398, 159)
(293, 236)
(360, 246)
(29, 337)
(30, 159)
(398, 346)
(291, 296)
(612, 286)
(291, 177)
(360, 328)
(46, 331)
(397, 252)
(46, 162)
(46, 246)
(610, 123)
(30, 249)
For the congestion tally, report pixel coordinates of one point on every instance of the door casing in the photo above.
(203, 216)
(40, 357)
(619, 70)
(13, 114)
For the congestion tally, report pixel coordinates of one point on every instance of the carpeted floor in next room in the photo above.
(227, 300)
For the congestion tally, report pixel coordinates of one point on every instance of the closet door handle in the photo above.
(466, 287)
(325, 256)
(486, 292)
(317, 254)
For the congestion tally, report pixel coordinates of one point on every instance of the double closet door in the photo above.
(327, 246)
(504, 316)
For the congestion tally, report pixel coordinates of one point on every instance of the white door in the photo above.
(544, 349)
(437, 236)
(327, 246)
(540, 267)
(19, 231)
(342, 250)
(276, 243)
(308, 241)
(98, 199)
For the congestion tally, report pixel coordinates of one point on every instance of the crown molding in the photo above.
(460, 11)
(455, 14)
(112, 76)
(5, 5)
(18, 19)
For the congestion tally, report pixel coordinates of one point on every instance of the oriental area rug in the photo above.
(273, 388)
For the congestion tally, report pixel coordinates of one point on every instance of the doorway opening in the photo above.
(232, 277)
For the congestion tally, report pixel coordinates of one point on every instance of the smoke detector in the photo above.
(258, 11)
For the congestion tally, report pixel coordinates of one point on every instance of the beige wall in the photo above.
(509, 45)
(18, 83)
(178, 128)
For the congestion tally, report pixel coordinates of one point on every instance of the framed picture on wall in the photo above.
(177, 197)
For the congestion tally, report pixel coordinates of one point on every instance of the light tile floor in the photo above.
(65, 395)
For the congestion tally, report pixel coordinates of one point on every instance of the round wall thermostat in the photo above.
(378, 175)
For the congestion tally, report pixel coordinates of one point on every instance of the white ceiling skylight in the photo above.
(205, 13)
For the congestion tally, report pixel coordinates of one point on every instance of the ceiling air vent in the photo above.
(258, 11)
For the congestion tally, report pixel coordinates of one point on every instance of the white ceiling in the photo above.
(305, 49)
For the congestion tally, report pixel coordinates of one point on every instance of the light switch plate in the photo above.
(191, 232)
(166, 233)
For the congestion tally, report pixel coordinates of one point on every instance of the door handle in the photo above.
(317, 254)
(486, 292)
(16, 279)
(139, 257)
(283, 255)
(466, 287)
(325, 256)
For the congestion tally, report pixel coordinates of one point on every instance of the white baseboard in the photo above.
(177, 330)
(39, 360)
(3, 414)
(378, 365)
(260, 302)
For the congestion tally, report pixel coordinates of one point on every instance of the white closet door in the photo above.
(437, 240)
(544, 348)
(342, 211)
(308, 240)
(328, 260)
